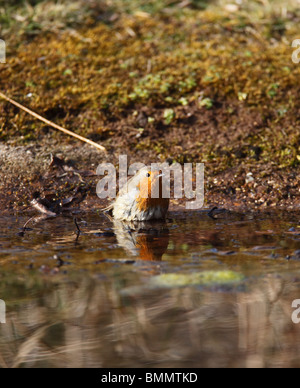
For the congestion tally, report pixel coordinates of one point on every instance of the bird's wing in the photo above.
(124, 190)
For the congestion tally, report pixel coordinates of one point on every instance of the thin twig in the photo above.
(35, 219)
(78, 231)
(66, 131)
(22, 234)
(212, 211)
(77, 226)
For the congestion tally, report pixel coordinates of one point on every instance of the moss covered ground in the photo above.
(187, 81)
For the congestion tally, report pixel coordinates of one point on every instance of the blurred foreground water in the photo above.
(193, 292)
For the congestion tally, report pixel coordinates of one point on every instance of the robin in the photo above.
(135, 203)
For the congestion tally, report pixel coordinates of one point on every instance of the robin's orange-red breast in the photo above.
(135, 201)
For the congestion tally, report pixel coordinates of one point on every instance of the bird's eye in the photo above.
(148, 175)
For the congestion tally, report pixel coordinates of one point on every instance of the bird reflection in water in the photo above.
(146, 240)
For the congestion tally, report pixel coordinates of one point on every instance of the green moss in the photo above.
(207, 103)
(169, 116)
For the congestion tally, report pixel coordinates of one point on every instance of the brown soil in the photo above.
(28, 169)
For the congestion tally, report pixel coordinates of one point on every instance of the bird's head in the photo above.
(149, 187)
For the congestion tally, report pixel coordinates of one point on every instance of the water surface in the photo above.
(102, 298)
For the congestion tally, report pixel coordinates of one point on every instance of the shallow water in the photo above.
(102, 298)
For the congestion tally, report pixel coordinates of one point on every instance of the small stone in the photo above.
(249, 178)
(231, 7)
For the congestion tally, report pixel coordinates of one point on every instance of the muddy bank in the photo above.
(61, 170)
(57, 170)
